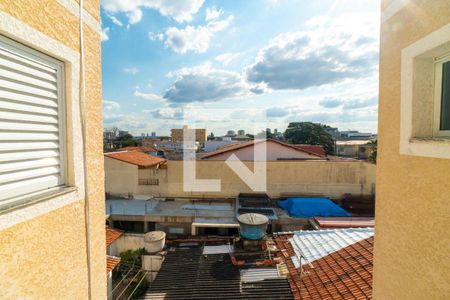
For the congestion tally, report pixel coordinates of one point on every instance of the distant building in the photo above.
(231, 133)
(241, 132)
(132, 172)
(178, 134)
(334, 132)
(353, 148)
(214, 145)
(354, 135)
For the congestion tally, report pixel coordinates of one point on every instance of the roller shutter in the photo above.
(32, 151)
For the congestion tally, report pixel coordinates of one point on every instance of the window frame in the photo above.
(29, 53)
(438, 89)
(27, 208)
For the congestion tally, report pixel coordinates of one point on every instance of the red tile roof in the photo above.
(236, 146)
(343, 274)
(139, 148)
(112, 234)
(317, 149)
(111, 263)
(136, 158)
(344, 222)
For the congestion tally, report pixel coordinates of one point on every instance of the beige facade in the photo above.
(178, 135)
(328, 178)
(45, 251)
(412, 244)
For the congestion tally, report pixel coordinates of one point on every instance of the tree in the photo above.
(311, 134)
(373, 151)
(126, 140)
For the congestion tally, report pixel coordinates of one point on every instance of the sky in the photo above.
(241, 64)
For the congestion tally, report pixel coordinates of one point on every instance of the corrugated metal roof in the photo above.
(220, 249)
(258, 274)
(313, 245)
(188, 274)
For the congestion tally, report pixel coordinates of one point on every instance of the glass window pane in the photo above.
(445, 102)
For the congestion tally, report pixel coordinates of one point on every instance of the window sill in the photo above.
(27, 207)
(435, 147)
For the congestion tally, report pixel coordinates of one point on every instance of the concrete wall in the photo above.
(274, 151)
(128, 241)
(412, 240)
(328, 178)
(44, 257)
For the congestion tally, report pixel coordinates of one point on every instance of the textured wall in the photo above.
(332, 179)
(45, 258)
(412, 244)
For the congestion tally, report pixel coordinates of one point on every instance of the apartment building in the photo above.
(52, 228)
(177, 134)
(411, 257)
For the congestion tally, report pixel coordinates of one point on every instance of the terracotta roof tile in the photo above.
(136, 158)
(343, 274)
(139, 148)
(316, 149)
(112, 234)
(111, 263)
(236, 146)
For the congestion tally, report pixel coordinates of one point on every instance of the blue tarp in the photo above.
(312, 207)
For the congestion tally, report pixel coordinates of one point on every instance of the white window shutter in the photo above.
(31, 121)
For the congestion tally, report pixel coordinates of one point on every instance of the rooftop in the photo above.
(190, 273)
(236, 146)
(136, 158)
(111, 263)
(329, 264)
(112, 234)
(342, 222)
(175, 208)
(317, 149)
(139, 148)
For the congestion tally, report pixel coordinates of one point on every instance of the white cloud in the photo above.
(104, 34)
(227, 58)
(191, 38)
(114, 20)
(132, 70)
(277, 112)
(110, 105)
(155, 36)
(329, 51)
(213, 13)
(179, 10)
(205, 84)
(166, 113)
(148, 96)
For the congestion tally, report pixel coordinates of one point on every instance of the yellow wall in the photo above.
(333, 179)
(45, 257)
(412, 244)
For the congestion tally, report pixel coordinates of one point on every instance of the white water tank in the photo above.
(154, 241)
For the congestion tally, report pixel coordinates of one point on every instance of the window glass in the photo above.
(445, 98)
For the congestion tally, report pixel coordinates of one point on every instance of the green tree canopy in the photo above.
(126, 140)
(309, 133)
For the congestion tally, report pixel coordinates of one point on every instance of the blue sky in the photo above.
(240, 64)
